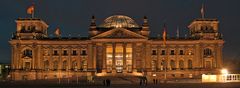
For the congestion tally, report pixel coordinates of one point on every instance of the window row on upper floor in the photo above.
(206, 52)
(173, 52)
(82, 52)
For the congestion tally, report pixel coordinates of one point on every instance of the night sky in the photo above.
(73, 17)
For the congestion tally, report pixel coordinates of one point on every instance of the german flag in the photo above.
(30, 10)
(57, 32)
(164, 35)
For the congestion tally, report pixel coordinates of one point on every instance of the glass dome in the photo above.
(119, 21)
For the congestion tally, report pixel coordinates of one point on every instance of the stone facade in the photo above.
(119, 46)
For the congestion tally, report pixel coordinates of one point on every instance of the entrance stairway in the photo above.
(117, 79)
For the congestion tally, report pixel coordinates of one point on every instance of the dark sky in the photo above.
(73, 16)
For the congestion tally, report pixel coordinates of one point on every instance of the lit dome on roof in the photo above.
(119, 21)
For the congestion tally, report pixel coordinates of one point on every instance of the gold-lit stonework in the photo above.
(117, 47)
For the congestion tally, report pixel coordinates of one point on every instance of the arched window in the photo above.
(64, 65)
(163, 65)
(207, 52)
(27, 53)
(173, 66)
(55, 65)
(189, 64)
(46, 65)
(181, 64)
(74, 65)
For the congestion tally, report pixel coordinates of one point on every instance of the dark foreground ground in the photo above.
(160, 85)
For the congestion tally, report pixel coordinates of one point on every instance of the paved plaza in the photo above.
(88, 85)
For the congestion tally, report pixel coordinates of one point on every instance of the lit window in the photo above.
(154, 67)
(190, 52)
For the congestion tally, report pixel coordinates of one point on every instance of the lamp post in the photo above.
(224, 73)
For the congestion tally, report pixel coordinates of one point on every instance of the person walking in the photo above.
(108, 82)
(154, 81)
(104, 82)
(140, 82)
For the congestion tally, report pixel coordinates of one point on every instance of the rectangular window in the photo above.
(172, 52)
(154, 52)
(163, 52)
(65, 52)
(74, 52)
(181, 52)
(55, 52)
(83, 52)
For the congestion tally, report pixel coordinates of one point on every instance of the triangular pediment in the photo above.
(119, 33)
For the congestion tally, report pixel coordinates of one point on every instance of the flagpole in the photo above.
(178, 32)
(202, 11)
(33, 14)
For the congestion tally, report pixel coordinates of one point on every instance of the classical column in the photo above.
(50, 53)
(95, 54)
(34, 56)
(167, 56)
(18, 56)
(78, 50)
(200, 53)
(69, 58)
(219, 60)
(134, 57)
(39, 57)
(104, 57)
(113, 57)
(91, 55)
(148, 60)
(13, 61)
(158, 63)
(124, 56)
(196, 62)
(60, 61)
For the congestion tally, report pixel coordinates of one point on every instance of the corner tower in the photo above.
(205, 28)
(31, 28)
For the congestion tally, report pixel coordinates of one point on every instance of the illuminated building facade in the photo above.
(118, 46)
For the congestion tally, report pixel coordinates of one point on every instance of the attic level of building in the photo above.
(205, 28)
(204, 24)
(29, 25)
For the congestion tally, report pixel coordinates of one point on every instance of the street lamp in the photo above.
(224, 73)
